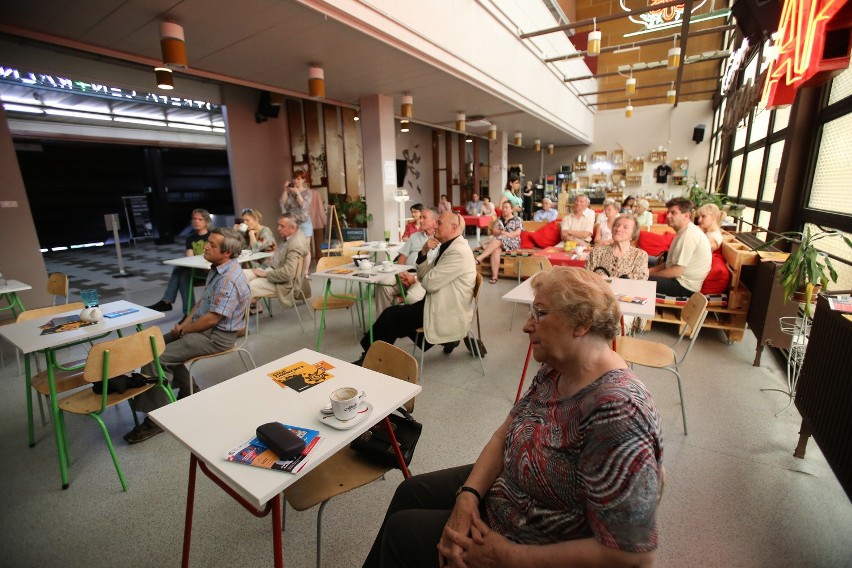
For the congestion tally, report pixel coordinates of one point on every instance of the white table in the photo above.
(523, 294)
(9, 292)
(370, 277)
(27, 337)
(374, 250)
(214, 420)
(198, 262)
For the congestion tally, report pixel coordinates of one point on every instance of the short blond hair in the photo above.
(583, 297)
(711, 209)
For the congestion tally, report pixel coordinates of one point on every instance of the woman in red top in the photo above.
(413, 226)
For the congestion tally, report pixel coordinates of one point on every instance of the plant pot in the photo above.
(800, 295)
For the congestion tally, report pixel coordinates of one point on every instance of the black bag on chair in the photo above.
(375, 444)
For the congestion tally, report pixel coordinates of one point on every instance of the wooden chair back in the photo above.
(531, 265)
(327, 262)
(126, 354)
(390, 360)
(693, 310)
(57, 285)
(49, 311)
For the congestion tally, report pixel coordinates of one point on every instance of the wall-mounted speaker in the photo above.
(266, 108)
(698, 134)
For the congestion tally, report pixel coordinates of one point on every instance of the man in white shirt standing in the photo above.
(689, 258)
(579, 226)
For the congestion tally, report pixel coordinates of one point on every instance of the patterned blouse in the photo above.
(291, 205)
(513, 224)
(633, 265)
(583, 466)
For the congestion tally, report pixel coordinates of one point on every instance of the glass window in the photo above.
(740, 134)
(830, 188)
(748, 215)
(763, 219)
(772, 167)
(836, 246)
(782, 117)
(841, 86)
(734, 178)
(751, 176)
(759, 125)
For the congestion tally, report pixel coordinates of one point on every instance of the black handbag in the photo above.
(375, 444)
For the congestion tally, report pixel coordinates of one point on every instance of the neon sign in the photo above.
(735, 61)
(801, 40)
(661, 18)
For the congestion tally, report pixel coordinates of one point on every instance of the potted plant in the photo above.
(807, 270)
(352, 212)
(700, 196)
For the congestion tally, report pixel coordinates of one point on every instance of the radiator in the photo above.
(824, 391)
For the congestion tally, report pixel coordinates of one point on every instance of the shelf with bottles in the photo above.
(580, 166)
(636, 166)
(633, 180)
(599, 179)
(659, 157)
(680, 171)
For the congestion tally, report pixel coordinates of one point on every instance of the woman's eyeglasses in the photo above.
(537, 313)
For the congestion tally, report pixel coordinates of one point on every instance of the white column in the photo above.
(378, 142)
(498, 158)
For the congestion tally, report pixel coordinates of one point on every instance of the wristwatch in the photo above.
(467, 489)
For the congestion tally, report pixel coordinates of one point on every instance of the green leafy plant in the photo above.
(807, 266)
(700, 196)
(352, 212)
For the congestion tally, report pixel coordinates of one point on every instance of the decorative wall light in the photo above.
(173, 45)
(460, 121)
(518, 138)
(357, 117)
(628, 110)
(537, 145)
(492, 132)
(630, 84)
(403, 125)
(164, 78)
(468, 139)
(671, 95)
(316, 82)
(550, 149)
(594, 41)
(406, 110)
(674, 56)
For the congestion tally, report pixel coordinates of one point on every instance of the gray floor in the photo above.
(735, 496)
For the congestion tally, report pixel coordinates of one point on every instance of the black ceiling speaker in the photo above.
(757, 18)
(698, 134)
(265, 108)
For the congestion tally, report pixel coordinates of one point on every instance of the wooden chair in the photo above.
(297, 287)
(57, 285)
(239, 346)
(347, 470)
(110, 359)
(527, 267)
(471, 336)
(348, 251)
(661, 356)
(336, 302)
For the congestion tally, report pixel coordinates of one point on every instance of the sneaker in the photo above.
(142, 432)
(450, 347)
(161, 306)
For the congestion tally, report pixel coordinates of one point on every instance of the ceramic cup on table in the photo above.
(345, 402)
(381, 244)
(387, 265)
(245, 252)
(359, 258)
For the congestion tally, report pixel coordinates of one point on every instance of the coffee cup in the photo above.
(345, 402)
(359, 258)
(365, 264)
(387, 265)
(245, 252)
(243, 227)
(381, 244)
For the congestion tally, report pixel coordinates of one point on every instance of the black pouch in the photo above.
(121, 383)
(375, 444)
(280, 440)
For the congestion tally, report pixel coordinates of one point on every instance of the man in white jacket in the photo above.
(449, 279)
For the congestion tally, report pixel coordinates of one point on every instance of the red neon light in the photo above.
(802, 30)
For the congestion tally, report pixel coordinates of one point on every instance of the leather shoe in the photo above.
(161, 306)
(450, 347)
(143, 432)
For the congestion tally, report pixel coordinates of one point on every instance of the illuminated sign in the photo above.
(42, 81)
(661, 18)
(801, 40)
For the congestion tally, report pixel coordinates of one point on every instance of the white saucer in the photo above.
(392, 269)
(364, 411)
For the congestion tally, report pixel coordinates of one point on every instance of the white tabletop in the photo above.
(198, 260)
(14, 286)
(523, 294)
(367, 247)
(27, 337)
(215, 420)
(372, 275)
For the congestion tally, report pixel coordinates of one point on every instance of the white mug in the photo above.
(387, 265)
(345, 402)
(365, 264)
(243, 227)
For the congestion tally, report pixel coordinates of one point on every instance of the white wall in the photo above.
(415, 146)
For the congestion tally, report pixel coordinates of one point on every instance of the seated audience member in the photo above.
(689, 258)
(279, 275)
(601, 216)
(413, 226)
(578, 226)
(709, 216)
(488, 207)
(474, 206)
(506, 237)
(444, 206)
(571, 476)
(618, 259)
(179, 281)
(211, 327)
(547, 212)
(643, 215)
(388, 293)
(603, 230)
(445, 312)
(258, 237)
(627, 205)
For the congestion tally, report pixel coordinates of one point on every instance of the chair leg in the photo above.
(298, 315)
(246, 351)
(111, 450)
(133, 412)
(41, 399)
(319, 532)
(682, 401)
(475, 344)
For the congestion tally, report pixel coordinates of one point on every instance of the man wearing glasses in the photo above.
(446, 311)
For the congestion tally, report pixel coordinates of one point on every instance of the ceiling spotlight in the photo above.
(164, 78)
(468, 139)
(403, 125)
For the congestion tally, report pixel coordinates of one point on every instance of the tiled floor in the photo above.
(735, 496)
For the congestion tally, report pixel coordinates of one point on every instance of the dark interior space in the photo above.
(72, 185)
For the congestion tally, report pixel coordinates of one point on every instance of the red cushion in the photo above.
(661, 217)
(547, 236)
(719, 278)
(654, 243)
(526, 240)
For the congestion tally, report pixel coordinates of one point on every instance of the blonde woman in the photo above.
(709, 216)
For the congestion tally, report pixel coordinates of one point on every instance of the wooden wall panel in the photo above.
(353, 156)
(333, 149)
(298, 144)
(436, 163)
(315, 141)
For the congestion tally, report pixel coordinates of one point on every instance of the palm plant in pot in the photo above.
(807, 270)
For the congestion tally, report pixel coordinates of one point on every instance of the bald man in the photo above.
(445, 312)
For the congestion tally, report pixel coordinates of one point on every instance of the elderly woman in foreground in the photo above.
(572, 475)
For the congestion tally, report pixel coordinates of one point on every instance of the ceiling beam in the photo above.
(649, 86)
(684, 37)
(591, 21)
(649, 98)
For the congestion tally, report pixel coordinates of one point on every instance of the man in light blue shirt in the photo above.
(547, 212)
(474, 206)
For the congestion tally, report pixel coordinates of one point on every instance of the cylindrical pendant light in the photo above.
(674, 56)
(164, 78)
(537, 145)
(406, 110)
(173, 45)
(316, 82)
(492, 132)
(671, 95)
(550, 149)
(594, 41)
(403, 125)
(630, 86)
(628, 110)
(518, 138)
(460, 124)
